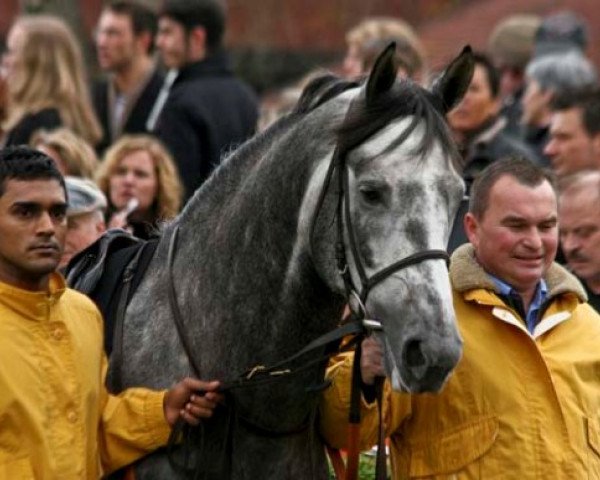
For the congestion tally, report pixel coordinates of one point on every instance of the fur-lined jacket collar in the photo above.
(466, 274)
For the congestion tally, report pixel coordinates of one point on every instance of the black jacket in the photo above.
(135, 115)
(21, 133)
(208, 113)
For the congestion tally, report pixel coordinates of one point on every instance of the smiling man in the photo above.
(523, 401)
(56, 418)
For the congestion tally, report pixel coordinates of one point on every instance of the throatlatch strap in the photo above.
(381, 463)
(354, 417)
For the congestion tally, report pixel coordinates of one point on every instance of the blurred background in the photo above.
(275, 42)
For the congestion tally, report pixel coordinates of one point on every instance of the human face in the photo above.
(11, 59)
(134, 177)
(580, 233)
(516, 238)
(172, 43)
(570, 148)
(535, 104)
(477, 106)
(82, 231)
(353, 62)
(32, 231)
(115, 42)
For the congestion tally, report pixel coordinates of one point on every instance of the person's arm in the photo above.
(335, 401)
(138, 420)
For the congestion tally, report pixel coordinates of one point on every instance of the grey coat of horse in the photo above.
(254, 286)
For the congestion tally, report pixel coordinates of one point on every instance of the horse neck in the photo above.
(239, 232)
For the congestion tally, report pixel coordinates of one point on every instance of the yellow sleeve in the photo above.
(132, 424)
(335, 405)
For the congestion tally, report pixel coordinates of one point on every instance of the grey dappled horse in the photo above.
(253, 288)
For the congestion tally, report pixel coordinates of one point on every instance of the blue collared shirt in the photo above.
(541, 292)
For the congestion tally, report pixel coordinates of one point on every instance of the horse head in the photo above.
(400, 195)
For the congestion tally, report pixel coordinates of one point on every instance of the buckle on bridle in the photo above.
(372, 325)
(357, 307)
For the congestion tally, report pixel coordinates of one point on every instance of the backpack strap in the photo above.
(85, 269)
(130, 280)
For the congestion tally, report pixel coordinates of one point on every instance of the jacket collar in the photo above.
(466, 274)
(33, 305)
(216, 64)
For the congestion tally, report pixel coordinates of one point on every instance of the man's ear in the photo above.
(471, 226)
(100, 227)
(143, 42)
(197, 44)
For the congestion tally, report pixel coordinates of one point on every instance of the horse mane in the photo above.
(406, 99)
(320, 90)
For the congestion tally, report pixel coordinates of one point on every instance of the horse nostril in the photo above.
(413, 355)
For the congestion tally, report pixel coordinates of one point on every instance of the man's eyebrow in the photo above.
(27, 204)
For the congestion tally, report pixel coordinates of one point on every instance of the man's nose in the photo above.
(533, 239)
(550, 148)
(45, 224)
(569, 243)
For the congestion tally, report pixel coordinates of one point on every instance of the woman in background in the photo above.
(71, 153)
(140, 180)
(47, 86)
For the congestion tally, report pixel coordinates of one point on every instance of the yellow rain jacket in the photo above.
(518, 406)
(56, 419)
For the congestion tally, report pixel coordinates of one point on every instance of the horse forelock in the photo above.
(405, 99)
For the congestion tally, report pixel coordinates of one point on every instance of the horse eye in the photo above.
(370, 195)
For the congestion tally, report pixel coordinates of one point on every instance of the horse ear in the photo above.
(383, 74)
(453, 84)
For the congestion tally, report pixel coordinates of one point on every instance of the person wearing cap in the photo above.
(559, 33)
(510, 47)
(85, 217)
(208, 111)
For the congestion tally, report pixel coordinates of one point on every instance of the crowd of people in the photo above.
(128, 150)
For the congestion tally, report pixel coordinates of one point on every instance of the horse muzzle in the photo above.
(423, 364)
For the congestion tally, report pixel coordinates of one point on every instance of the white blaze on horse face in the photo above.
(402, 204)
(307, 212)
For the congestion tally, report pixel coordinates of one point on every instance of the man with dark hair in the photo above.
(208, 111)
(124, 46)
(57, 419)
(476, 125)
(575, 132)
(524, 399)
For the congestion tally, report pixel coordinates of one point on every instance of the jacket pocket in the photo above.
(453, 450)
(593, 440)
(16, 468)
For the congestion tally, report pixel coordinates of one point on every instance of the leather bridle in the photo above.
(356, 297)
(356, 294)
